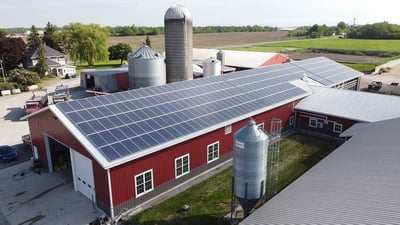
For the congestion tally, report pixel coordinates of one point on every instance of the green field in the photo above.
(341, 44)
(210, 200)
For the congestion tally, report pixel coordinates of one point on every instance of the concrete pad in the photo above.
(30, 198)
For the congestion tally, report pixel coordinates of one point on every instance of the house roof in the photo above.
(49, 52)
(123, 126)
(358, 183)
(354, 105)
(243, 59)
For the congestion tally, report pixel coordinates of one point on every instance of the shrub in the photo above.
(24, 77)
(5, 86)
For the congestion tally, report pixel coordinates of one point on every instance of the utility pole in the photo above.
(2, 70)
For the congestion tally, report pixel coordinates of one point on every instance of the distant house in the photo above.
(57, 61)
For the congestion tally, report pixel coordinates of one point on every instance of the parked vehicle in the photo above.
(375, 85)
(61, 94)
(7, 153)
(70, 75)
(38, 100)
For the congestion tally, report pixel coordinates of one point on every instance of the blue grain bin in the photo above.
(249, 165)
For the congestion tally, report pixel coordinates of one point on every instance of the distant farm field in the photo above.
(211, 40)
(341, 44)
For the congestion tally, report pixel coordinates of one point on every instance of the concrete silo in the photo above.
(178, 44)
(146, 68)
(249, 165)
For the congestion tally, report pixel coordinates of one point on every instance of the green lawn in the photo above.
(211, 199)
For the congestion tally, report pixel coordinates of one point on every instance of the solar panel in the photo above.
(128, 122)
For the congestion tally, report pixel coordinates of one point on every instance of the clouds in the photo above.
(205, 12)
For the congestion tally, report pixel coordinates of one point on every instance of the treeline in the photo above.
(141, 31)
(317, 31)
(382, 30)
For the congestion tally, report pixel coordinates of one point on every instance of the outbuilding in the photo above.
(128, 149)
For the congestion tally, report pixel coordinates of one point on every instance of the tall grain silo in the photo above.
(249, 165)
(146, 68)
(178, 44)
(211, 67)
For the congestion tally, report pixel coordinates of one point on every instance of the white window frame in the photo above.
(228, 129)
(291, 120)
(145, 190)
(214, 153)
(337, 130)
(261, 126)
(311, 121)
(182, 165)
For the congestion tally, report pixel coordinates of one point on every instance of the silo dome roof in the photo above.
(178, 12)
(145, 52)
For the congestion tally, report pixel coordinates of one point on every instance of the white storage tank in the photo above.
(146, 68)
(221, 57)
(211, 67)
(178, 44)
(249, 165)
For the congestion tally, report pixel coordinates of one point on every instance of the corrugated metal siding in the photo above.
(358, 183)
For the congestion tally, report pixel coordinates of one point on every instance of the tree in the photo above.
(148, 41)
(34, 39)
(41, 66)
(342, 25)
(85, 43)
(11, 51)
(119, 51)
(50, 36)
(3, 33)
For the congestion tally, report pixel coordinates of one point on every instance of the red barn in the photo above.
(127, 149)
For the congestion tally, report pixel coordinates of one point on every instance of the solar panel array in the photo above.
(326, 71)
(129, 122)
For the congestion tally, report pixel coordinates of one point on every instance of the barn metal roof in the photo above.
(354, 105)
(358, 183)
(123, 126)
(244, 59)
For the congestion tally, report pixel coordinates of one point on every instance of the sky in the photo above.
(281, 13)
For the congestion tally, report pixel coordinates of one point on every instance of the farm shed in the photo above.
(109, 80)
(241, 59)
(358, 183)
(331, 111)
(128, 148)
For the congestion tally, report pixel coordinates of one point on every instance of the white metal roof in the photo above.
(244, 59)
(355, 105)
(358, 183)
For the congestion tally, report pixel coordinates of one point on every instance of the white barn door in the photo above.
(83, 175)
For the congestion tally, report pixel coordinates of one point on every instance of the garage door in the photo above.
(83, 175)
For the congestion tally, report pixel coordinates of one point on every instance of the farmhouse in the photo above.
(127, 149)
(57, 61)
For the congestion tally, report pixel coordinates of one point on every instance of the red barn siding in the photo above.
(163, 162)
(277, 59)
(122, 81)
(47, 123)
(303, 119)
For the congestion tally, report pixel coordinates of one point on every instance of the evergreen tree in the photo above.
(148, 41)
(41, 67)
(50, 37)
(33, 38)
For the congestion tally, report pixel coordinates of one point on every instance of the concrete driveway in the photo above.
(48, 199)
(27, 197)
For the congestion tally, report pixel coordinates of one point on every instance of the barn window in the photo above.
(228, 129)
(337, 127)
(144, 182)
(182, 166)
(260, 126)
(213, 151)
(313, 122)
